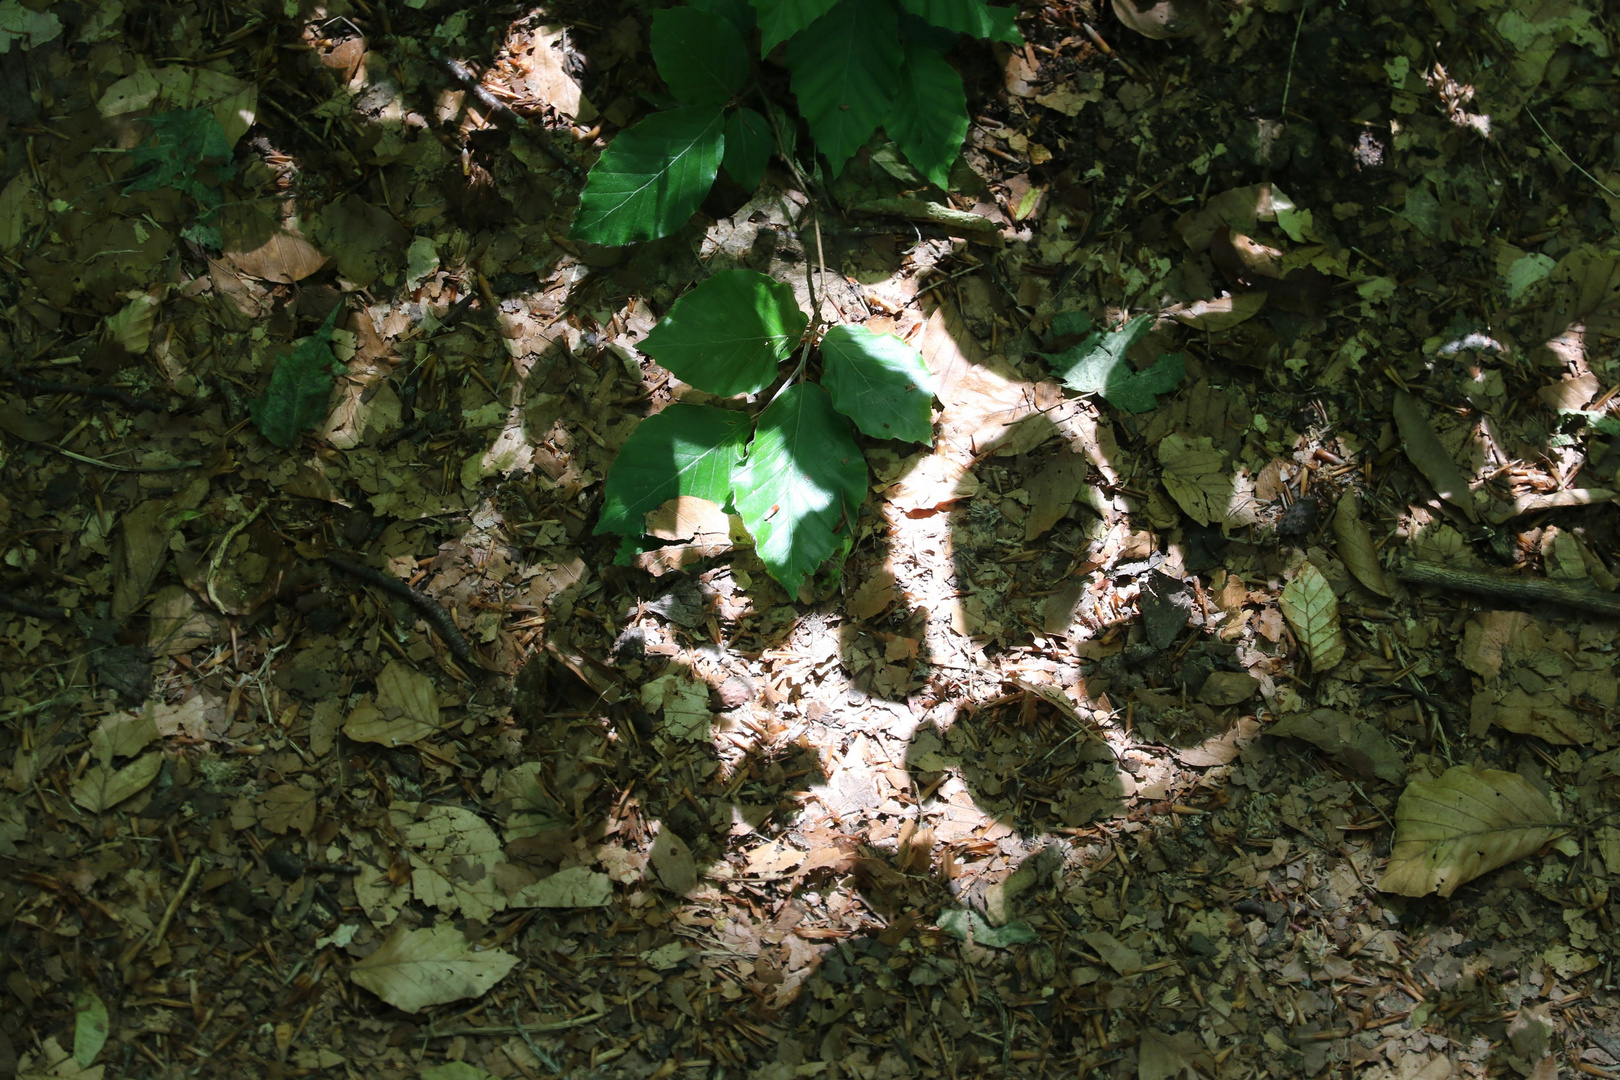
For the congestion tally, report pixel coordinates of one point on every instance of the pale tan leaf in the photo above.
(1196, 476)
(1468, 822)
(287, 806)
(409, 691)
(575, 887)
(1423, 449)
(1213, 316)
(366, 723)
(102, 787)
(773, 858)
(1356, 548)
(417, 969)
(123, 734)
(454, 853)
(672, 862)
(1312, 610)
(1052, 492)
(874, 595)
(687, 517)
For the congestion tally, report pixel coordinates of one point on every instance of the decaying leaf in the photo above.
(417, 969)
(1312, 610)
(1355, 742)
(575, 887)
(1468, 822)
(672, 862)
(1423, 449)
(1052, 492)
(1356, 548)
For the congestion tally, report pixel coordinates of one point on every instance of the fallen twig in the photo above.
(431, 609)
(1517, 590)
(463, 75)
(111, 393)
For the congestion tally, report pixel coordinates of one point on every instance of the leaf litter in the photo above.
(953, 814)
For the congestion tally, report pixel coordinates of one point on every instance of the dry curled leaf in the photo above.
(1312, 610)
(1356, 548)
(1423, 449)
(1467, 822)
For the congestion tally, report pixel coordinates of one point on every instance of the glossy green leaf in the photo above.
(781, 19)
(929, 116)
(728, 335)
(879, 382)
(700, 55)
(845, 74)
(1098, 365)
(299, 387)
(748, 147)
(801, 484)
(652, 177)
(684, 450)
(973, 17)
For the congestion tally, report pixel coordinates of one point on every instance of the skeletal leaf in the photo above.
(1466, 823)
(1423, 449)
(1356, 547)
(1312, 610)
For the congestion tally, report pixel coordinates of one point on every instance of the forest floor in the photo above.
(358, 756)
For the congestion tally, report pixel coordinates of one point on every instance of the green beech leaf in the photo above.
(684, 450)
(846, 72)
(700, 55)
(879, 382)
(973, 17)
(727, 335)
(748, 147)
(801, 484)
(740, 12)
(781, 19)
(929, 116)
(180, 142)
(652, 177)
(299, 387)
(1097, 365)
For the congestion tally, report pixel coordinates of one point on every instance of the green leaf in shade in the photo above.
(929, 116)
(845, 73)
(879, 382)
(801, 484)
(960, 923)
(1097, 365)
(684, 450)
(652, 177)
(299, 387)
(740, 12)
(700, 55)
(972, 17)
(91, 1026)
(781, 19)
(180, 142)
(727, 335)
(748, 147)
